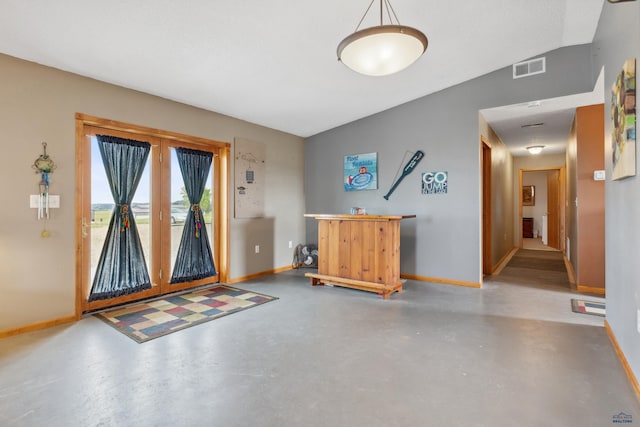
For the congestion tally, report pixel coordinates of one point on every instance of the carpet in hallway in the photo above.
(148, 320)
(533, 267)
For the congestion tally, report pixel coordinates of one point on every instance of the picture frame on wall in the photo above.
(361, 172)
(528, 195)
(623, 122)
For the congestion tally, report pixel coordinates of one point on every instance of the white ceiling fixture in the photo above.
(532, 125)
(383, 49)
(535, 149)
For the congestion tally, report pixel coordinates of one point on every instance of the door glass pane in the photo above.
(102, 206)
(180, 207)
(207, 203)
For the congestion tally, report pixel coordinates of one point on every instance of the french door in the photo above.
(159, 208)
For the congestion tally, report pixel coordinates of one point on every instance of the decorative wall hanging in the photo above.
(409, 167)
(623, 117)
(249, 178)
(361, 172)
(435, 182)
(45, 166)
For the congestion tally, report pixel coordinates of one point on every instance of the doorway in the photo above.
(160, 213)
(487, 264)
(542, 201)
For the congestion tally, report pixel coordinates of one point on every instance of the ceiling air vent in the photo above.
(529, 68)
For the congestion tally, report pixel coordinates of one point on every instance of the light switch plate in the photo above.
(599, 175)
(34, 201)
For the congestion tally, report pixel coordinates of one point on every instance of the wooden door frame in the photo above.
(220, 191)
(562, 201)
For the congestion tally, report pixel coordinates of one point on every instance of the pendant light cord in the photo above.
(390, 11)
(363, 16)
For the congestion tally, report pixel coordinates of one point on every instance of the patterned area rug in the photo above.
(588, 307)
(146, 321)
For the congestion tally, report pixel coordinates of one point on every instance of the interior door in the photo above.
(159, 208)
(553, 208)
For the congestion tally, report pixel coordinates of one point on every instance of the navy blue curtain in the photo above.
(194, 259)
(122, 269)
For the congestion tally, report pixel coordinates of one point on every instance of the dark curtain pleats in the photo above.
(122, 269)
(194, 259)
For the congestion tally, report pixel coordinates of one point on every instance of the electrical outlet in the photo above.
(290, 244)
(257, 249)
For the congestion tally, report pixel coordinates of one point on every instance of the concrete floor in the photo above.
(434, 355)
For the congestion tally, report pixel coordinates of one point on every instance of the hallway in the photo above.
(433, 355)
(544, 268)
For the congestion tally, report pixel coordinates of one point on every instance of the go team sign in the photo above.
(435, 182)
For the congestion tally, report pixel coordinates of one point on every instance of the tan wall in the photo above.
(590, 157)
(39, 104)
(502, 194)
(571, 213)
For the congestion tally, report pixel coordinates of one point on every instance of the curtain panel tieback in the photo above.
(124, 215)
(196, 213)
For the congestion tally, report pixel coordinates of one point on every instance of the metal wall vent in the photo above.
(529, 68)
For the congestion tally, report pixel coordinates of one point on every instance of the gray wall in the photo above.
(39, 104)
(444, 240)
(618, 39)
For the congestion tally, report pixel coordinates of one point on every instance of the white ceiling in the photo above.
(274, 63)
(552, 120)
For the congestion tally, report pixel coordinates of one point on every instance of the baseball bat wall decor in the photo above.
(410, 166)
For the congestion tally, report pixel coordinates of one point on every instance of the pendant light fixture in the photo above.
(383, 49)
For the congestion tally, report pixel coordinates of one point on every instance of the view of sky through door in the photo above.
(102, 205)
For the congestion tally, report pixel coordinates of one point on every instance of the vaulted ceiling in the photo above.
(274, 63)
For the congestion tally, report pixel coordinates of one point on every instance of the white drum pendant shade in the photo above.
(382, 50)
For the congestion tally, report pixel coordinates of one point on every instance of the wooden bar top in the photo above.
(352, 217)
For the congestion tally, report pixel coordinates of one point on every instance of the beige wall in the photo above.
(501, 193)
(39, 104)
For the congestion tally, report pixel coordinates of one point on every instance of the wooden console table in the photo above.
(359, 251)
